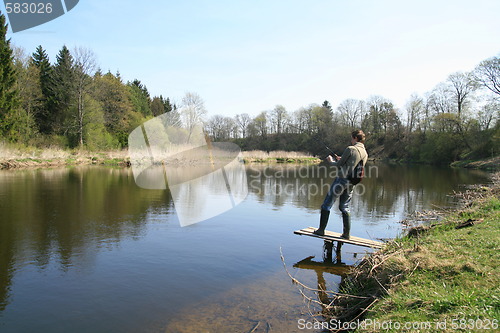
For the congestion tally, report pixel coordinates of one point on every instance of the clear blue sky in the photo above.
(248, 56)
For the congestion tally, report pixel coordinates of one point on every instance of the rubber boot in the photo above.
(346, 220)
(323, 221)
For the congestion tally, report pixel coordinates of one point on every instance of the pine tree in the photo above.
(157, 106)
(8, 92)
(41, 60)
(62, 89)
(167, 105)
(140, 97)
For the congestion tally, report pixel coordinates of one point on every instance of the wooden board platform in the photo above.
(335, 237)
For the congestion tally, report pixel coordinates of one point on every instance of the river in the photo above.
(85, 249)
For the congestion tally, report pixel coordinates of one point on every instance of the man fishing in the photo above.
(342, 186)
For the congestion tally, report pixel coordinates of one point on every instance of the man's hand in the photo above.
(337, 157)
(329, 159)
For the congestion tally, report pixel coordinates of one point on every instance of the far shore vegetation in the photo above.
(69, 106)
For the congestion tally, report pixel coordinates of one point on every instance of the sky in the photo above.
(249, 56)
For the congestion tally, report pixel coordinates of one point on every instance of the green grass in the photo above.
(113, 161)
(28, 160)
(447, 275)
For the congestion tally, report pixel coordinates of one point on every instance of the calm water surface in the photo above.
(86, 250)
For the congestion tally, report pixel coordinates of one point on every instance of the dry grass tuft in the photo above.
(261, 154)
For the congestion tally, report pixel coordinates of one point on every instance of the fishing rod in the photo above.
(332, 153)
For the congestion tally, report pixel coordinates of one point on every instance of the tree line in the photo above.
(70, 103)
(457, 119)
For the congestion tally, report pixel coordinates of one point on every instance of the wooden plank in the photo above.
(336, 237)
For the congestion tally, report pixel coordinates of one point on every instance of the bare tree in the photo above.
(243, 120)
(260, 124)
(278, 118)
(487, 73)
(85, 66)
(414, 111)
(489, 113)
(192, 111)
(351, 111)
(462, 86)
(439, 99)
(215, 127)
(303, 119)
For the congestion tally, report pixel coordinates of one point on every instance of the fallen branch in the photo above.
(255, 327)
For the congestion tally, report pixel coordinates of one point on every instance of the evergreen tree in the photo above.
(157, 106)
(62, 91)
(140, 98)
(41, 60)
(8, 91)
(167, 105)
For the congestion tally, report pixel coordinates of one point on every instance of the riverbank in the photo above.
(442, 277)
(492, 163)
(18, 156)
(279, 156)
(29, 157)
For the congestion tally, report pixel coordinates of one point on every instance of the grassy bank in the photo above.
(279, 156)
(492, 163)
(443, 278)
(18, 156)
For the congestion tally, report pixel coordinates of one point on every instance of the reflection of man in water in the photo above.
(342, 187)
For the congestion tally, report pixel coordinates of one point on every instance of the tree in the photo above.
(381, 117)
(260, 124)
(489, 113)
(63, 92)
(351, 111)
(115, 101)
(414, 111)
(41, 60)
(321, 120)
(462, 86)
(140, 98)
(168, 105)
(243, 120)
(157, 106)
(220, 128)
(30, 95)
(278, 118)
(439, 100)
(84, 67)
(192, 112)
(96, 136)
(8, 92)
(487, 73)
(303, 119)
(327, 105)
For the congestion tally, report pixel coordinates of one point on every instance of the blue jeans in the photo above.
(341, 188)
